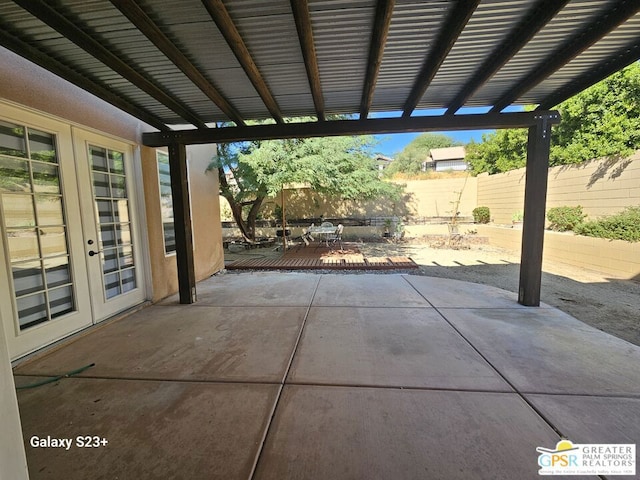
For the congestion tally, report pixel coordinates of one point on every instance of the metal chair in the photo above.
(337, 236)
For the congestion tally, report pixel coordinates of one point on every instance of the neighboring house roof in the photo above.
(448, 153)
(383, 161)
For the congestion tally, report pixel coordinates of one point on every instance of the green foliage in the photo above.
(623, 226)
(409, 160)
(564, 219)
(481, 215)
(602, 121)
(518, 216)
(340, 166)
(500, 151)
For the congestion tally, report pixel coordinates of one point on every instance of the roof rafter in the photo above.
(537, 17)
(91, 45)
(351, 127)
(449, 32)
(50, 63)
(142, 22)
(300, 9)
(603, 24)
(381, 24)
(624, 57)
(221, 17)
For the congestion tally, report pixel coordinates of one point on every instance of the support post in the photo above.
(535, 198)
(182, 222)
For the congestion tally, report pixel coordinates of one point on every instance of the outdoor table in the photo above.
(324, 232)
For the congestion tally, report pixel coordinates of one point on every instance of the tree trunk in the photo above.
(247, 227)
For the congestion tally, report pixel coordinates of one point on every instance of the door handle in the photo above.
(92, 253)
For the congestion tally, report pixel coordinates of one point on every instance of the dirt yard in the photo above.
(610, 305)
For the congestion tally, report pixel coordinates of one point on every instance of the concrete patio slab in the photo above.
(153, 429)
(444, 292)
(381, 385)
(184, 342)
(403, 347)
(367, 290)
(582, 418)
(255, 289)
(358, 433)
(547, 351)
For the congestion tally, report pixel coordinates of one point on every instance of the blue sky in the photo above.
(391, 144)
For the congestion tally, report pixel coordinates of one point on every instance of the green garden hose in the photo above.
(55, 379)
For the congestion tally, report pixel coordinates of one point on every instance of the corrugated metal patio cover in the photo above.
(194, 62)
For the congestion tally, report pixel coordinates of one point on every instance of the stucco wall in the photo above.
(207, 231)
(422, 198)
(601, 187)
(29, 85)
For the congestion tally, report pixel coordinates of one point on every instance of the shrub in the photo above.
(563, 219)
(622, 226)
(481, 214)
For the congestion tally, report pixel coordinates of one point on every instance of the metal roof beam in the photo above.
(449, 32)
(302, 18)
(48, 62)
(221, 17)
(142, 22)
(539, 15)
(603, 24)
(381, 23)
(69, 29)
(351, 127)
(611, 65)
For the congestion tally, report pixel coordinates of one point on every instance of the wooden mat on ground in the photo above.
(323, 258)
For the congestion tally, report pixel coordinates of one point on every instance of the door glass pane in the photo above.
(110, 260)
(34, 224)
(18, 211)
(53, 241)
(32, 310)
(49, 209)
(12, 140)
(112, 205)
(23, 244)
(101, 184)
(98, 158)
(42, 146)
(45, 178)
(27, 277)
(14, 175)
(112, 285)
(57, 271)
(60, 301)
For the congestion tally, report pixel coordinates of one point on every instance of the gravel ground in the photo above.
(611, 305)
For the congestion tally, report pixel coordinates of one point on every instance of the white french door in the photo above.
(69, 241)
(112, 239)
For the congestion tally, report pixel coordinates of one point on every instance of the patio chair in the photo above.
(306, 235)
(337, 236)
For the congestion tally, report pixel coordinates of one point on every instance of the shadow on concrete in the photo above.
(612, 306)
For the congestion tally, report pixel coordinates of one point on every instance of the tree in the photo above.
(410, 159)
(341, 166)
(601, 121)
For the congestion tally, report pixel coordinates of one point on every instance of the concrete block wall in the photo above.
(602, 187)
(616, 258)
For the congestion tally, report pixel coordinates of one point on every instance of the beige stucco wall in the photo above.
(422, 198)
(207, 231)
(601, 187)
